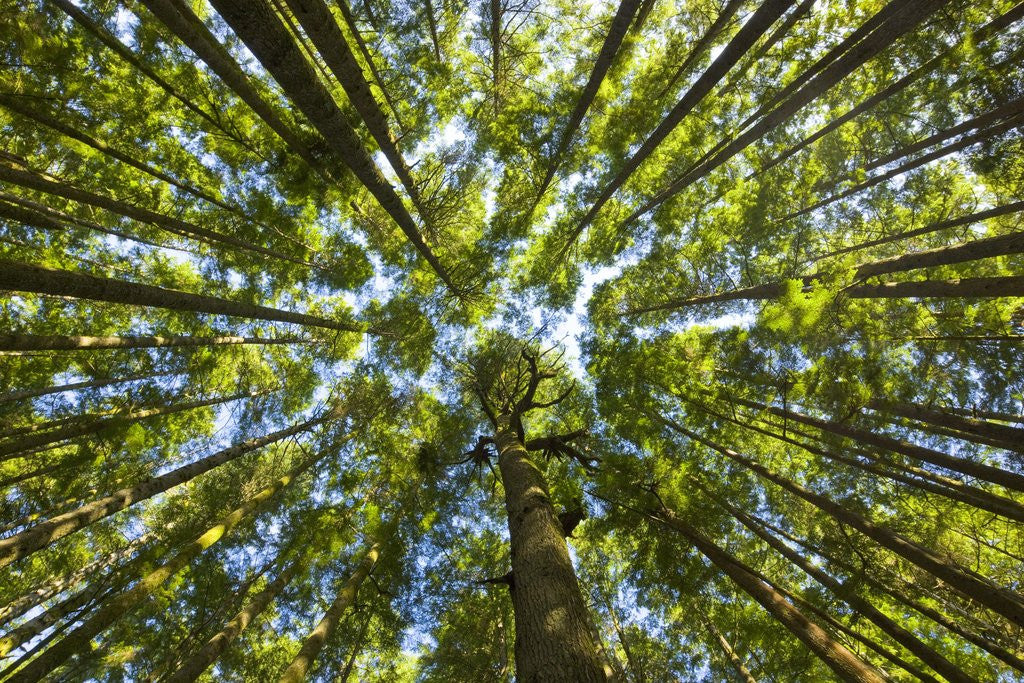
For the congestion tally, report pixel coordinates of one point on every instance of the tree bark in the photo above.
(24, 277)
(24, 394)
(38, 342)
(43, 534)
(298, 670)
(726, 14)
(126, 601)
(970, 425)
(198, 662)
(12, 448)
(844, 663)
(554, 641)
(967, 288)
(741, 670)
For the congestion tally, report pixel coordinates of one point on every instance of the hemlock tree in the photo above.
(511, 340)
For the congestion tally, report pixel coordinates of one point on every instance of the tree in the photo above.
(502, 340)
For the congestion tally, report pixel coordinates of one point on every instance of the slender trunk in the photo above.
(298, 670)
(24, 277)
(24, 394)
(636, 673)
(1006, 209)
(12, 448)
(979, 413)
(970, 425)
(193, 667)
(43, 534)
(268, 39)
(995, 475)
(432, 24)
(37, 181)
(554, 640)
(730, 654)
(319, 24)
(350, 21)
(771, 41)
(901, 635)
(752, 29)
(844, 663)
(605, 58)
(356, 649)
(955, 434)
(703, 43)
(1000, 600)
(126, 601)
(968, 287)
(35, 342)
(180, 19)
(908, 14)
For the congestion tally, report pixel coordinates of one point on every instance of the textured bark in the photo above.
(126, 601)
(752, 29)
(37, 181)
(198, 662)
(987, 247)
(741, 670)
(938, 416)
(319, 24)
(554, 640)
(299, 668)
(23, 277)
(40, 342)
(771, 41)
(1000, 600)
(180, 19)
(350, 21)
(43, 534)
(268, 39)
(907, 15)
(995, 475)
(12, 447)
(844, 663)
(605, 58)
(901, 635)
(968, 287)
(24, 394)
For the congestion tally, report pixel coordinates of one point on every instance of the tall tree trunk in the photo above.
(12, 448)
(43, 534)
(752, 29)
(23, 394)
(771, 41)
(42, 183)
(901, 635)
(992, 430)
(127, 601)
(298, 670)
(193, 667)
(432, 24)
(995, 475)
(268, 39)
(24, 277)
(908, 14)
(554, 640)
(730, 654)
(1000, 600)
(38, 342)
(725, 15)
(844, 663)
(356, 649)
(350, 21)
(189, 28)
(968, 287)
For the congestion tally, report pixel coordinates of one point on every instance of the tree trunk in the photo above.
(198, 662)
(741, 670)
(24, 394)
(356, 648)
(268, 39)
(126, 601)
(968, 287)
(180, 19)
(554, 641)
(350, 21)
(1013, 436)
(844, 663)
(901, 635)
(298, 670)
(752, 29)
(37, 342)
(1000, 600)
(24, 277)
(43, 534)
(12, 448)
(725, 15)
(995, 475)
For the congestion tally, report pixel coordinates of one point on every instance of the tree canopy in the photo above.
(492, 340)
